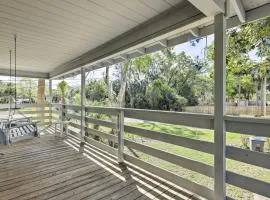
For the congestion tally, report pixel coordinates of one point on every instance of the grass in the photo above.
(233, 139)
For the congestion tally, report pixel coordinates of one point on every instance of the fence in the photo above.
(230, 110)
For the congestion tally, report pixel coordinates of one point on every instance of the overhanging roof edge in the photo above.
(26, 74)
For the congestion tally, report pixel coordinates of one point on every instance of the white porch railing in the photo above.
(241, 125)
(38, 112)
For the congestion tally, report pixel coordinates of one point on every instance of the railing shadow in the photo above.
(134, 183)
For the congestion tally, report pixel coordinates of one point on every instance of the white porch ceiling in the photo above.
(55, 36)
(52, 32)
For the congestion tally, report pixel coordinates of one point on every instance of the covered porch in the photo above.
(66, 162)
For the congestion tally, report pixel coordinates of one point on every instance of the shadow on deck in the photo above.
(52, 168)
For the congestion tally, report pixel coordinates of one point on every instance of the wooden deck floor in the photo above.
(52, 168)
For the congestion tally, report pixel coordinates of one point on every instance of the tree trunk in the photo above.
(120, 99)
(41, 98)
(121, 95)
(107, 81)
(239, 93)
(257, 93)
(263, 97)
(132, 100)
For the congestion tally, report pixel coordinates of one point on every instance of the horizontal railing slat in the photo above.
(41, 118)
(172, 158)
(56, 105)
(73, 107)
(32, 105)
(249, 157)
(78, 126)
(44, 123)
(247, 183)
(6, 106)
(102, 146)
(102, 110)
(199, 145)
(186, 119)
(72, 116)
(169, 176)
(100, 122)
(35, 111)
(101, 134)
(248, 125)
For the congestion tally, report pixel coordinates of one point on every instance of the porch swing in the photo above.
(16, 126)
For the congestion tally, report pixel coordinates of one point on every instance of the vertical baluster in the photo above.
(82, 109)
(120, 130)
(50, 101)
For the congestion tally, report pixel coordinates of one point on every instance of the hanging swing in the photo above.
(17, 126)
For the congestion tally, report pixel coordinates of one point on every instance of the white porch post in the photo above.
(50, 100)
(220, 102)
(82, 108)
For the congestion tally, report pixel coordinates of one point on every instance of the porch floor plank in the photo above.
(52, 168)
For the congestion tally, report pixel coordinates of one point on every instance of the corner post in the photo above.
(220, 108)
(82, 109)
(50, 100)
(120, 127)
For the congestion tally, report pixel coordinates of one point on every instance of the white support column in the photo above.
(50, 100)
(82, 108)
(220, 102)
(120, 128)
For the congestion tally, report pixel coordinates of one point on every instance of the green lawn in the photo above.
(200, 134)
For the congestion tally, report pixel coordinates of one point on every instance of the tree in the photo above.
(136, 70)
(96, 90)
(254, 37)
(182, 73)
(27, 88)
(63, 87)
(162, 97)
(152, 74)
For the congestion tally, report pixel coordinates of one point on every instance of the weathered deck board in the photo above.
(52, 168)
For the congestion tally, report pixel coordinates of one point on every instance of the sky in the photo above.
(198, 49)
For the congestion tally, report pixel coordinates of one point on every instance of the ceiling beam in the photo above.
(209, 7)
(110, 61)
(163, 43)
(175, 18)
(239, 9)
(195, 32)
(24, 74)
(141, 50)
(123, 56)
